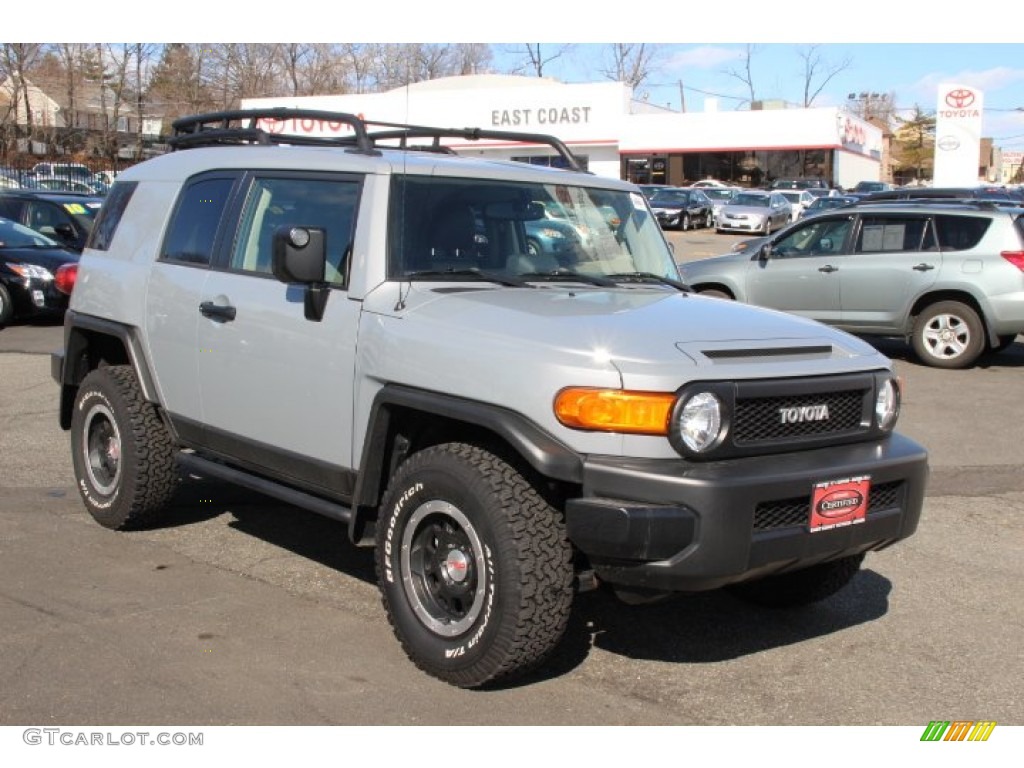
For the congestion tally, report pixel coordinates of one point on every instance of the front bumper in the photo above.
(742, 225)
(682, 526)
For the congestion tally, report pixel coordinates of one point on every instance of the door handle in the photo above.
(217, 311)
(922, 267)
(828, 268)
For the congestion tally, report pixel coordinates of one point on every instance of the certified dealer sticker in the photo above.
(838, 503)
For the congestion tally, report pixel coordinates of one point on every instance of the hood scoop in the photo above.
(768, 351)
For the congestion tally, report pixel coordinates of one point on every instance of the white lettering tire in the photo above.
(474, 566)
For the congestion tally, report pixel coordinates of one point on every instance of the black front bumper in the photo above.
(682, 526)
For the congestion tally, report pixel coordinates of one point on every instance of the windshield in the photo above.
(442, 228)
(670, 196)
(14, 235)
(756, 201)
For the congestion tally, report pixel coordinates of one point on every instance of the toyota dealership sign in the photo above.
(957, 135)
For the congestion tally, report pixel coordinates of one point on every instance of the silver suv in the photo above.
(357, 327)
(947, 276)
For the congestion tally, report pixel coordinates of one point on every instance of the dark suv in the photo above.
(67, 217)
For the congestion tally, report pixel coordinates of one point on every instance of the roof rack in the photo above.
(242, 126)
(974, 202)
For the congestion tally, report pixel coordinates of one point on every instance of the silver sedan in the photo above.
(755, 211)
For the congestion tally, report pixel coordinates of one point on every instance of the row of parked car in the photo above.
(58, 177)
(757, 211)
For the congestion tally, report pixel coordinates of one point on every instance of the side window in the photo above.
(193, 229)
(275, 202)
(110, 215)
(959, 233)
(45, 217)
(10, 209)
(886, 234)
(821, 236)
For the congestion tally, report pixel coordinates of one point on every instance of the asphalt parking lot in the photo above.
(242, 611)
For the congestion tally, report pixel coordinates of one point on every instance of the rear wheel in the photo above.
(799, 588)
(948, 334)
(474, 566)
(123, 455)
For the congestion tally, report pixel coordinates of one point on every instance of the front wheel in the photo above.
(474, 566)
(799, 588)
(948, 334)
(6, 307)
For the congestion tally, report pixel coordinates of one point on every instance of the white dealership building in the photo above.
(615, 135)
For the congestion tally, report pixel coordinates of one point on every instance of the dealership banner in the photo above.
(957, 135)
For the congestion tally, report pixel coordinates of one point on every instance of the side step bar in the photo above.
(200, 466)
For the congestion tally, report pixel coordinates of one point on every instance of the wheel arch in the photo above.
(404, 420)
(89, 343)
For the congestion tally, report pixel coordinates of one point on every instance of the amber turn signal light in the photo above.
(615, 410)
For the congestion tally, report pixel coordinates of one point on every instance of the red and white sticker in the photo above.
(838, 503)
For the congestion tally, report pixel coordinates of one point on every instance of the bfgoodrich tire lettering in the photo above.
(798, 588)
(123, 456)
(473, 564)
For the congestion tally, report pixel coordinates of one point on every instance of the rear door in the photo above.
(895, 258)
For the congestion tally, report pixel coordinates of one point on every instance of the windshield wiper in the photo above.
(571, 275)
(646, 277)
(491, 277)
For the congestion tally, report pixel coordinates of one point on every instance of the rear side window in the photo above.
(110, 215)
(880, 234)
(960, 233)
(193, 229)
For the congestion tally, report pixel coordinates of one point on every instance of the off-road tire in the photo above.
(6, 307)
(123, 455)
(948, 334)
(800, 588)
(474, 566)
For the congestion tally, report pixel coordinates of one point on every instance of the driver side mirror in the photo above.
(765, 253)
(65, 232)
(299, 255)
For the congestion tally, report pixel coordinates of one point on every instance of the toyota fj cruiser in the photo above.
(355, 325)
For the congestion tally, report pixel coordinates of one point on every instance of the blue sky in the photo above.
(892, 47)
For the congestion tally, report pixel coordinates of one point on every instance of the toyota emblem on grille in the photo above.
(804, 413)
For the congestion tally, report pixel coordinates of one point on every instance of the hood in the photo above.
(653, 338)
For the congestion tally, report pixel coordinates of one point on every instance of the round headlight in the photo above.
(700, 421)
(887, 404)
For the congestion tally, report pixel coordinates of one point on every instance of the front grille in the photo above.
(759, 419)
(787, 513)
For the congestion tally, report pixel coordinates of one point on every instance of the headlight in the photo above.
(887, 404)
(700, 421)
(31, 270)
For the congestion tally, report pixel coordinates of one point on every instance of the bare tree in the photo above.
(631, 63)
(535, 58)
(745, 74)
(18, 59)
(816, 67)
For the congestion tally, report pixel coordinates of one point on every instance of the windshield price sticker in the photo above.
(838, 503)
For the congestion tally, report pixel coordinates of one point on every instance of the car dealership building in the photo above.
(614, 135)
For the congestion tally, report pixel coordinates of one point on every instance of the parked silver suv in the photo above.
(947, 276)
(358, 328)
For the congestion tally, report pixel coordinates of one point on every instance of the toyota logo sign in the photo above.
(960, 98)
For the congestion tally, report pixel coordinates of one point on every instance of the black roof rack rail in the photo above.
(974, 202)
(241, 126)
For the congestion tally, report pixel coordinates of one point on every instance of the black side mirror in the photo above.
(765, 252)
(65, 232)
(299, 255)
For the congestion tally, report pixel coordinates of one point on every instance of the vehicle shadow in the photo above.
(704, 628)
(304, 533)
